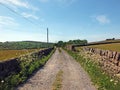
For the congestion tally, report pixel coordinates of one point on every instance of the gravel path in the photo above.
(74, 77)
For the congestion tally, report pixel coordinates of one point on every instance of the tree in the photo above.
(60, 44)
(78, 41)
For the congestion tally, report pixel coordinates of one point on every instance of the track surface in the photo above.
(74, 77)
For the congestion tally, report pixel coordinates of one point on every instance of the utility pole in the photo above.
(47, 36)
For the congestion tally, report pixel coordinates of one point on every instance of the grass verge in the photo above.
(101, 80)
(27, 69)
(59, 49)
(58, 81)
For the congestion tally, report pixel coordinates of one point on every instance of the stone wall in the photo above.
(13, 65)
(110, 60)
(70, 47)
(8, 67)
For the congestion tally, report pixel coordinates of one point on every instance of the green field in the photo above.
(7, 54)
(106, 42)
(112, 46)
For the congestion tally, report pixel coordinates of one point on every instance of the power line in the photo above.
(18, 14)
(47, 36)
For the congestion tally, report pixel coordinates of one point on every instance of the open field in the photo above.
(112, 46)
(105, 42)
(7, 54)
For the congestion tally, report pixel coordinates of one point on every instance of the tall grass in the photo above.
(101, 80)
(57, 85)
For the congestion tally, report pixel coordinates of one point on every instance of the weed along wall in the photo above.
(110, 60)
(17, 70)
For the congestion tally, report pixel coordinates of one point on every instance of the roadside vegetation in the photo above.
(58, 81)
(59, 49)
(27, 69)
(101, 80)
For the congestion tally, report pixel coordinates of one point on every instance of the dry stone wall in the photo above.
(70, 47)
(8, 67)
(13, 65)
(110, 60)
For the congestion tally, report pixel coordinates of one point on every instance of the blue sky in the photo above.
(93, 20)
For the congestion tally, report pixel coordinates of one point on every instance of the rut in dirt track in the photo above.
(74, 77)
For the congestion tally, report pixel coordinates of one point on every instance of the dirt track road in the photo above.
(74, 77)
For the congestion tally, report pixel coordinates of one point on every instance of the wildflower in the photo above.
(111, 80)
(2, 81)
(115, 83)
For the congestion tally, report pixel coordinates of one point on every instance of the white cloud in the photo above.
(102, 19)
(7, 22)
(29, 16)
(15, 2)
(18, 3)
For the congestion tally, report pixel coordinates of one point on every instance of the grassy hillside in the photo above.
(24, 45)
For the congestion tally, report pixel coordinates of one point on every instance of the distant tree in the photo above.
(70, 42)
(74, 42)
(60, 44)
(113, 38)
(110, 39)
(78, 41)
